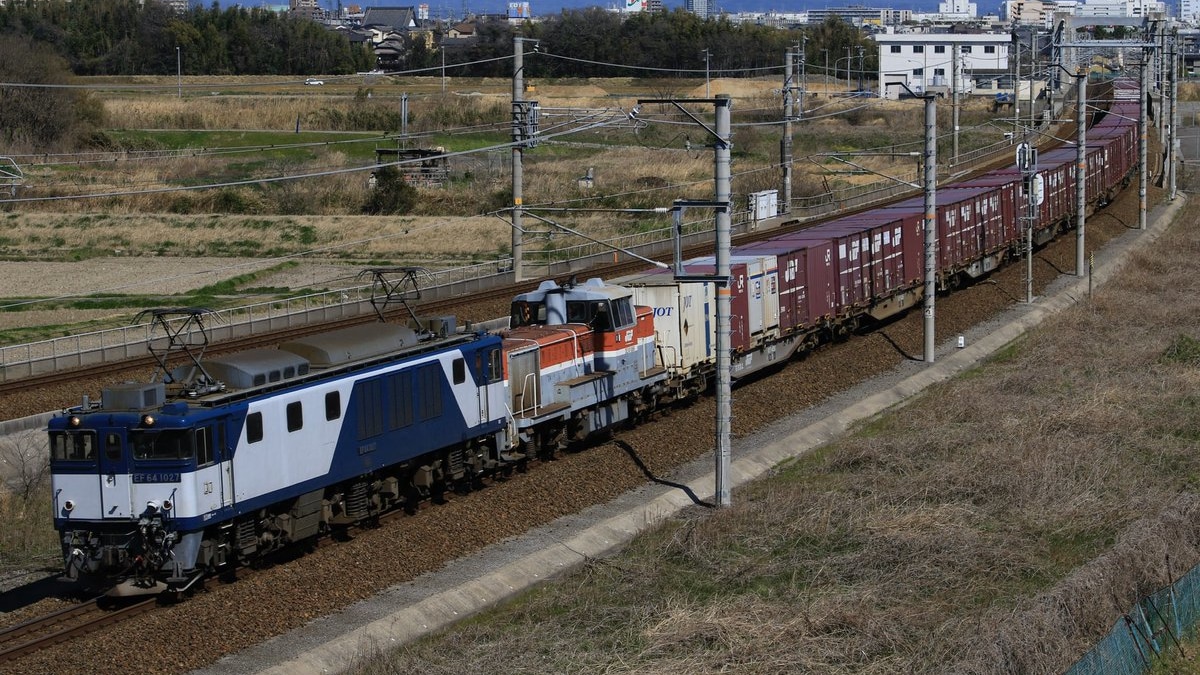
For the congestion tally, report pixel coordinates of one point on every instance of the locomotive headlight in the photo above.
(74, 421)
(69, 505)
(147, 420)
(166, 505)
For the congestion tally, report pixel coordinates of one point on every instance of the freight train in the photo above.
(222, 461)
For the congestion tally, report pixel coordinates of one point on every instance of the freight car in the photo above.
(224, 461)
(798, 290)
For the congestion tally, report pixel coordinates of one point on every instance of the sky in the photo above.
(541, 7)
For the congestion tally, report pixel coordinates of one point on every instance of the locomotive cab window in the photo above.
(203, 441)
(599, 317)
(595, 314)
(112, 447)
(496, 366)
(333, 406)
(527, 314)
(579, 311)
(460, 371)
(254, 427)
(623, 312)
(295, 416)
(75, 446)
(165, 444)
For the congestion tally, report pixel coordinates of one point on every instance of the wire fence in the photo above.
(1156, 626)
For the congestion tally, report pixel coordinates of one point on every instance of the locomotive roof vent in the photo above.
(355, 343)
(133, 396)
(256, 367)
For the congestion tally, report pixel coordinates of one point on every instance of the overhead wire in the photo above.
(343, 170)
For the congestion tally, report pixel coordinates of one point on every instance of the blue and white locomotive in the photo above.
(162, 482)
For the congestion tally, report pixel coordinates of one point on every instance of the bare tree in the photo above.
(24, 463)
(41, 113)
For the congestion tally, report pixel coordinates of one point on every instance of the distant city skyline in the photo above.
(544, 7)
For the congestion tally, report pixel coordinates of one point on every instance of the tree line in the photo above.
(44, 42)
(129, 37)
(660, 44)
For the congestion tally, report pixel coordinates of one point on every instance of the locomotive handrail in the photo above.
(536, 395)
(662, 349)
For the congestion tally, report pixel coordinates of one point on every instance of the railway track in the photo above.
(64, 625)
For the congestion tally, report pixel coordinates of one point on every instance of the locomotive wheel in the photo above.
(437, 492)
(412, 498)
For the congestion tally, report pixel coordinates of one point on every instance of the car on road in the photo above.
(314, 81)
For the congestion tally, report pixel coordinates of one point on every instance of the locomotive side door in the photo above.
(523, 379)
(209, 483)
(116, 484)
(482, 391)
(225, 459)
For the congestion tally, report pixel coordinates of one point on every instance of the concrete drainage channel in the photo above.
(469, 585)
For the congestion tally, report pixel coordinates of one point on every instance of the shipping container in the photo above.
(806, 280)
(754, 296)
(684, 318)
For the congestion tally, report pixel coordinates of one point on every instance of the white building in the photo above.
(1134, 8)
(1189, 12)
(958, 8)
(924, 61)
(1041, 12)
(1028, 12)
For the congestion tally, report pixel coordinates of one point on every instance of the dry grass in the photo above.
(647, 168)
(339, 237)
(1000, 524)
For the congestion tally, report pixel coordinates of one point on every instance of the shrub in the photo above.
(391, 195)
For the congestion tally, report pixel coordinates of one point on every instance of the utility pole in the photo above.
(707, 54)
(931, 238)
(724, 298)
(1027, 163)
(954, 98)
(1161, 76)
(785, 144)
(860, 68)
(1032, 67)
(721, 202)
(404, 117)
(1173, 156)
(803, 76)
(1080, 169)
(179, 71)
(1143, 137)
(1016, 95)
(518, 149)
